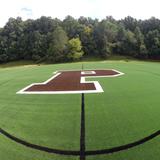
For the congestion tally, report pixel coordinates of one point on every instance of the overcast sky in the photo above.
(140, 9)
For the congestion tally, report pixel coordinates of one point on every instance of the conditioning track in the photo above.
(82, 153)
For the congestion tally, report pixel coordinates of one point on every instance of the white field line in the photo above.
(82, 80)
(22, 91)
(87, 72)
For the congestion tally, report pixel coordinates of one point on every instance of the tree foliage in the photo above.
(55, 40)
(74, 49)
(57, 46)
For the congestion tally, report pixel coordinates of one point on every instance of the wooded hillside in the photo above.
(47, 39)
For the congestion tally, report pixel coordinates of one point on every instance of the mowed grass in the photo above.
(47, 120)
(128, 110)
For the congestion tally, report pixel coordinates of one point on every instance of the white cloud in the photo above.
(27, 11)
(142, 9)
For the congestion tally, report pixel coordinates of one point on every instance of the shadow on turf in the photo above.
(77, 153)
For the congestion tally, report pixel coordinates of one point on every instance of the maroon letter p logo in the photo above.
(64, 82)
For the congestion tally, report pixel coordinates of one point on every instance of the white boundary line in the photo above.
(82, 80)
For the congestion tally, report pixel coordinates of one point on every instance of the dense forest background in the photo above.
(53, 40)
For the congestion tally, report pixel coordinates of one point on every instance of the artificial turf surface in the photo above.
(128, 110)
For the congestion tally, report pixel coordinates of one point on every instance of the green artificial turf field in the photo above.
(128, 110)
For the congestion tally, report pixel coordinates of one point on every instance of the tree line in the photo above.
(53, 40)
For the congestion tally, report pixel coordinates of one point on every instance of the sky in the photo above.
(140, 9)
